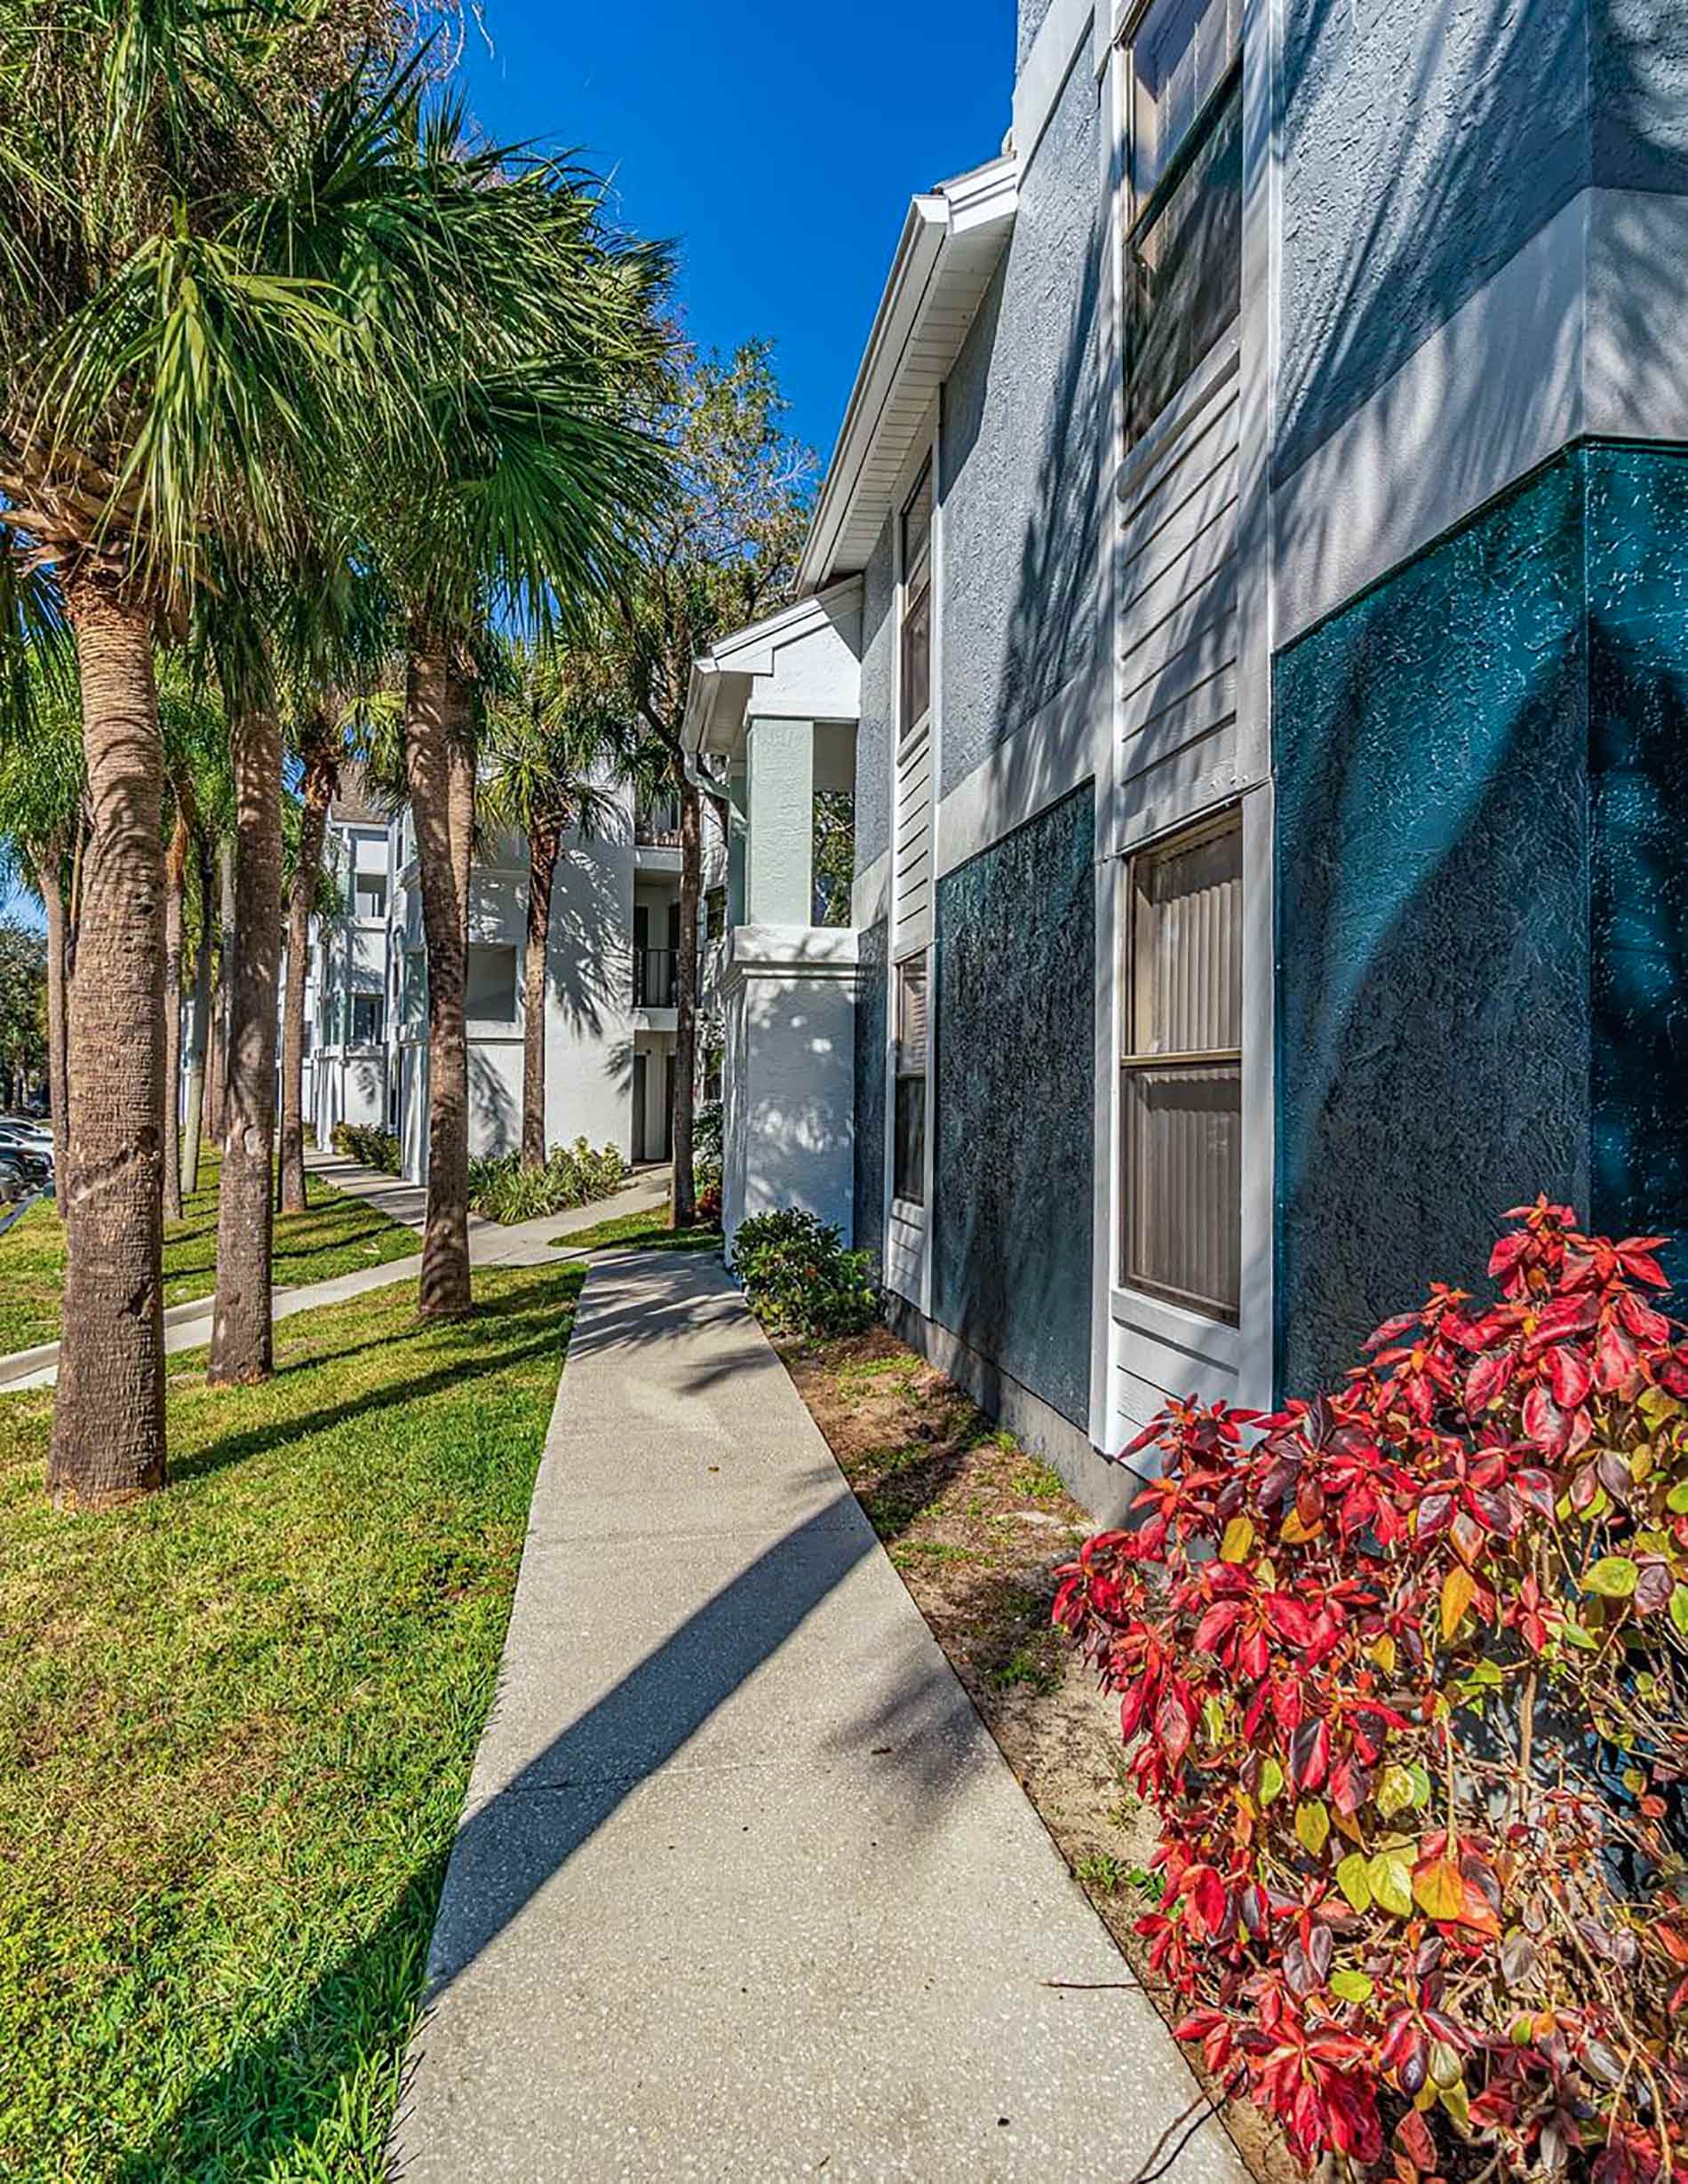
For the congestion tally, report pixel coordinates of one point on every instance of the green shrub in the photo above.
(375, 1149)
(706, 1136)
(797, 1275)
(573, 1175)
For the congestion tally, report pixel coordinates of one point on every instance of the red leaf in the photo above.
(1174, 1727)
(1487, 1378)
(1568, 1375)
(1544, 1422)
(1536, 1488)
(1614, 1357)
(1289, 1618)
(1641, 1321)
(1507, 1252)
(1413, 2136)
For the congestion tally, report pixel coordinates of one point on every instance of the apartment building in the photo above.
(1247, 598)
(610, 1007)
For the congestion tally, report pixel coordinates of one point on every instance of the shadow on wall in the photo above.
(1432, 924)
(589, 961)
(1638, 565)
(494, 1117)
(1474, 128)
(1034, 629)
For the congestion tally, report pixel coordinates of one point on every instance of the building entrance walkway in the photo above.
(742, 1889)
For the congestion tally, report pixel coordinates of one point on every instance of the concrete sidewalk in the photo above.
(524, 1243)
(742, 1889)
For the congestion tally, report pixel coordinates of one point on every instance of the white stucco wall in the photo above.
(789, 1075)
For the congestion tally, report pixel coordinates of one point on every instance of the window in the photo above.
(1182, 272)
(917, 606)
(369, 1018)
(490, 994)
(909, 1180)
(369, 898)
(1181, 1093)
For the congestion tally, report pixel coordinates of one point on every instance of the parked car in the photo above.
(33, 1147)
(15, 1182)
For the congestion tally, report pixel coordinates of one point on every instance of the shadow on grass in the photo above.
(521, 1324)
(339, 2051)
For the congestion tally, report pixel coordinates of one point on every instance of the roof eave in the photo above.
(951, 242)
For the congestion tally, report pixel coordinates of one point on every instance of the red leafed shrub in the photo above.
(1405, 1673)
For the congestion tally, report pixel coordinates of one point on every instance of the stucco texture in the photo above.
(1021, 432)
(1636, 557)
(1013, 1103)
(1432, 924)
(1422, 145)
(1481, 775)
(872, 991)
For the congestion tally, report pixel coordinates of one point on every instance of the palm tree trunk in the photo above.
(241, 1346)
(50, 880)
(319, 787)
(175, 890)
(217, 1087)
(108, 1413)
(543, 844)
(198, 1031)
(439, 767)
(691, 889)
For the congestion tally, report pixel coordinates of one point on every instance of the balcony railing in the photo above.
(656, 978)
(657, 828)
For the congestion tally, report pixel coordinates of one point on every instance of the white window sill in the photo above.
(1215, 1341)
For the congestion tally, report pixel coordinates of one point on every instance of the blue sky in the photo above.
(778, 145)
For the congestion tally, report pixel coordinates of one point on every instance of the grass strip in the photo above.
(335, 1235)
(237, 1722)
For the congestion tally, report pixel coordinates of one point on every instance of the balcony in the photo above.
(656, 826)
(656, 978)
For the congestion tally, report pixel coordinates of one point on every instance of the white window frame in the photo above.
(1129, 207)
(1228, 819)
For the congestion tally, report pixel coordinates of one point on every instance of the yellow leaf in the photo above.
(1351, 1879)
(1459, 1590)
(1271, 1779)
(1383, 1654)
(1439, 1888)
(1239, 1537)
(1296, 1534)
(1312, 1825)
(1391, 1881)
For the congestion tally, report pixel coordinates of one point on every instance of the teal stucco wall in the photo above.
(1014, 1103)
(1482, 793)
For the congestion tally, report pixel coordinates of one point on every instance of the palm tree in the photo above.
(550, 764)
(321, 750)
(195, 736)
(519, 511)
(178, 371)
(43, 816)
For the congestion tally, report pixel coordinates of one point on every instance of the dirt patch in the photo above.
(978, 1528)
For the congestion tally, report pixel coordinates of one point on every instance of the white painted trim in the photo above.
(870, 891)
(1104, 1250)
(1256, 1333)
(1040, 763)
(1483, 399)
(1175, 1327)
(951, 243)
(927, 447)
(1062, 36)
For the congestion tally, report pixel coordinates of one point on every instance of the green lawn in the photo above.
(237, 1722)
(640, 1232)
(334, 1235)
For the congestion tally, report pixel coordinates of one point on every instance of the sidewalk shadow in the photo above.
(271, 2095)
